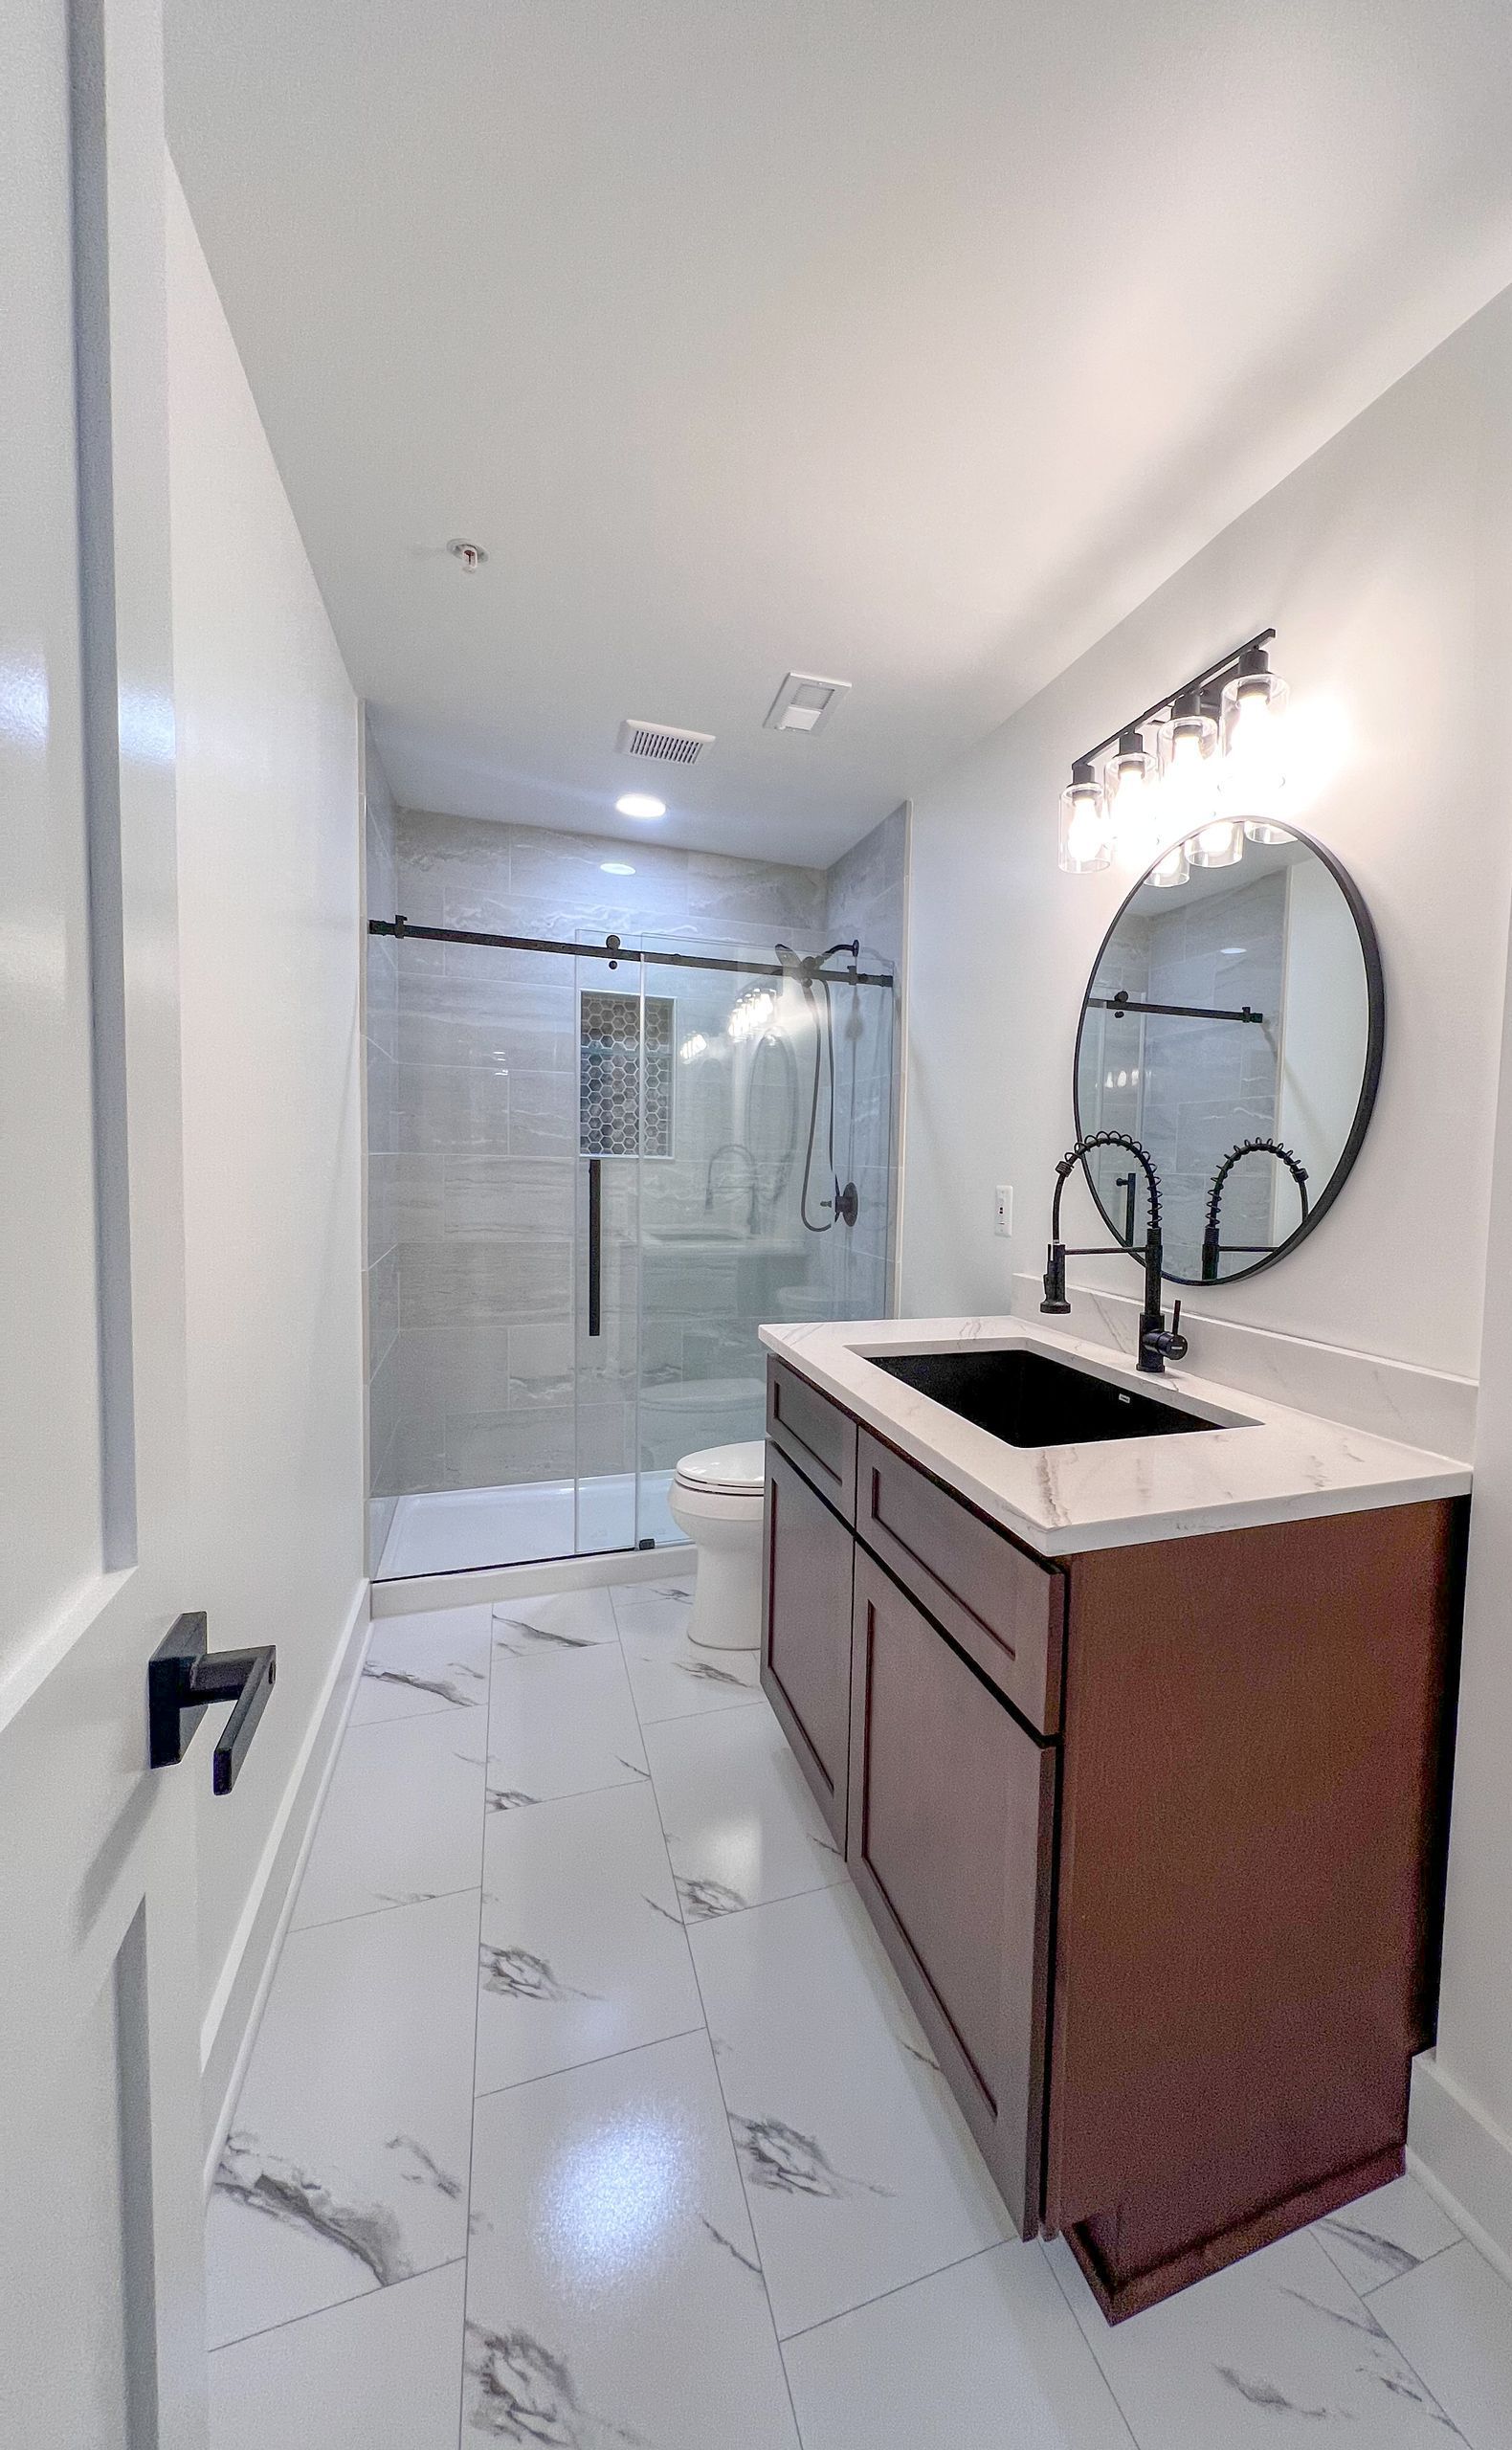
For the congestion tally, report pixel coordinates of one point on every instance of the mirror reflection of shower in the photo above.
(844, 1204)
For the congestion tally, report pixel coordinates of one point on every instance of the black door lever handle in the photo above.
(185, 1676)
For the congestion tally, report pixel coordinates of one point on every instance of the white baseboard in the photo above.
(1464, 2159)
(427, 1590)
(234, 2013)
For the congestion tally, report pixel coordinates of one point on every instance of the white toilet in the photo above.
(716, 1497)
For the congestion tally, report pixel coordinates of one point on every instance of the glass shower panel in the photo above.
(589, 1186)
(475, 1449)
(623, 1115)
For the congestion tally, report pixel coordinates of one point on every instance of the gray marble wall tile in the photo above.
(605, 1437)
(464, 1369)
(382, 1122)
(501, 1041)
(540, 1364)
(443, 1107)
(510, 1199)
(383, 1305)
(405, 1191)
(741, 896)
(866, 889)
(456, 1284)
(542, 1114)
(493, 1449)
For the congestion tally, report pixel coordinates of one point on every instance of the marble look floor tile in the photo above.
(385, 2368)
(985, 2353)
(860, 2175)
(1452, 2318)
(420, 1664)
(614, 2293)
(560, 1722)
(346, 2169)
(742, 1826)
(582, 1951)
(672, 1677)
(556, 1622)
(1384, 2234)
(403, 1818)
(1277, 2346)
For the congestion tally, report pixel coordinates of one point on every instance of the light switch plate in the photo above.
(1002, 1215)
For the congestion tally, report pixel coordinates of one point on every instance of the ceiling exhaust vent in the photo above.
(803, 702)
(662, 740)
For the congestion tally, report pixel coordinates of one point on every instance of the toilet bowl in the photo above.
(716, 1497)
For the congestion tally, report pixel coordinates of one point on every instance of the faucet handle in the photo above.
(1176, 1345)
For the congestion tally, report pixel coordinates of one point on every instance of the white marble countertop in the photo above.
(1262, 1463)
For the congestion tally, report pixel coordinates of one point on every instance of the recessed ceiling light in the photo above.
(641, 804)
(616, 868)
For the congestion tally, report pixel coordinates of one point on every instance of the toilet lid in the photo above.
(735, 1469)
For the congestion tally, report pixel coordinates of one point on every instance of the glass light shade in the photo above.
(1219, 845)
(1188, 773)
(1173, 868)
(1085, 843)
(1255, 751)
(1129, 782)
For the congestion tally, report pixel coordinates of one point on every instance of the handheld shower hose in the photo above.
(809, 971)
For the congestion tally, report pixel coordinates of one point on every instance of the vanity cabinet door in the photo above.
(952, 1834)
(805, 1645)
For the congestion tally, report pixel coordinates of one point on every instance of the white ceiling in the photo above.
(907, 342)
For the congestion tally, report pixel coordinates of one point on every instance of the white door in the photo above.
(101, 2256)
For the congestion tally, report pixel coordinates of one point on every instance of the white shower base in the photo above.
(463, 1531)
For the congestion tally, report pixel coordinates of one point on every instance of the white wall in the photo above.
(269, 902)
(1385, 565)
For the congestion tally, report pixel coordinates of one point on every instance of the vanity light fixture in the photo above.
(1131, 815)
(1214, 783)
(1254, 765)
(1085, 842)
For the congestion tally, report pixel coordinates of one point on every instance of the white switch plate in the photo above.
(1003, 1218)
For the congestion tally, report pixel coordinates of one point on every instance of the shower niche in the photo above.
(619, 1157)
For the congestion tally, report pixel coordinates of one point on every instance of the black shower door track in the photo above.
(615, 951)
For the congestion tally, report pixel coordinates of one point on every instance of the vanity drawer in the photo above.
(814, 1433)
(1004, 1608)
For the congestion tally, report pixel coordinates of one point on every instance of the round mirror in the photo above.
(1234, 1024)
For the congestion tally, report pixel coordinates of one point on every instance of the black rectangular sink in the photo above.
(1026, 1400)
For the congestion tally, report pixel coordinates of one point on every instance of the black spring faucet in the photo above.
(1158, 1343)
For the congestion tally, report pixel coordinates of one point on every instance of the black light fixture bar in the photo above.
(1124, 1003)
(615, 951)
(1223, 670)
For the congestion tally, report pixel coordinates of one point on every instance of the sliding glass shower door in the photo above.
(603, 1169)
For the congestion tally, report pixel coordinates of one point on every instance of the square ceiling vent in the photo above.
(803, 702)
(663, 741)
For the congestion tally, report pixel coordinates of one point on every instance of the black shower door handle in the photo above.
(596, 1245)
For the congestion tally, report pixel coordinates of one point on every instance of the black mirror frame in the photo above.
(1371, 1080)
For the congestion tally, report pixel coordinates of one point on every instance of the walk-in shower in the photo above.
(654, 1145)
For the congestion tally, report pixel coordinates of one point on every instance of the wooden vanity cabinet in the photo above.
(806, 1648)
(1154, 1836)
(950, 1842)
